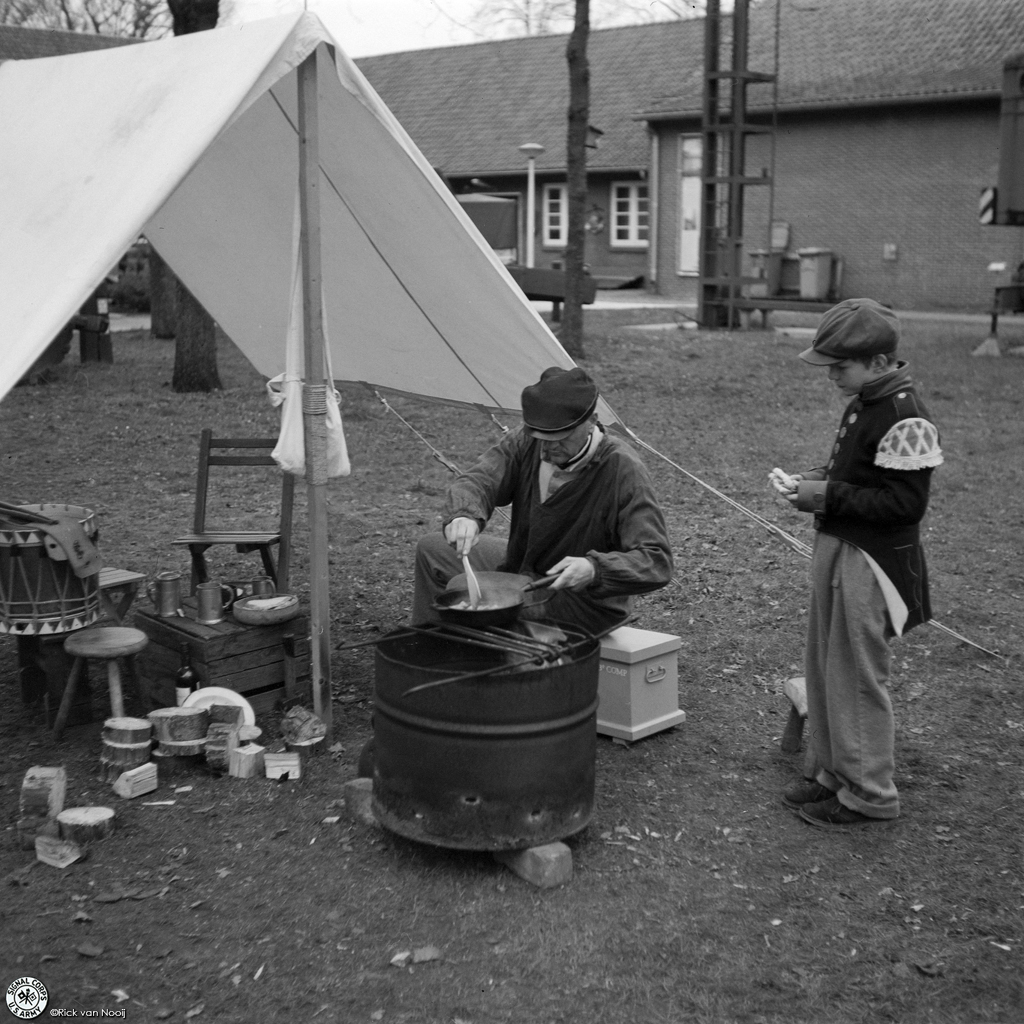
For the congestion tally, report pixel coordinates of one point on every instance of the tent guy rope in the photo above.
(797, 545)
(794, 543)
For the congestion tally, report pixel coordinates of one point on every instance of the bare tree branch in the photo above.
(135, 19)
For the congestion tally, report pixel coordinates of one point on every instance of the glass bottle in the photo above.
(186, 679)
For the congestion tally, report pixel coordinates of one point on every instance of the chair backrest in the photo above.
(240, 451)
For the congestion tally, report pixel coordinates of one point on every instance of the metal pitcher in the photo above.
(211, 601)
(262, 586)
(165, 593)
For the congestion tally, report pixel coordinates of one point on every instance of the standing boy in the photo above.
(868, 578)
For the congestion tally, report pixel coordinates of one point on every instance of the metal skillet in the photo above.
(502, 597)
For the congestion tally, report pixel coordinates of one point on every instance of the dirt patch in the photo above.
(695, 895)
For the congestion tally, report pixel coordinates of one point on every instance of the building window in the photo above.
(629, 215)
(556, 215)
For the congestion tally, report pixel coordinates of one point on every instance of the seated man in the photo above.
(583, 512)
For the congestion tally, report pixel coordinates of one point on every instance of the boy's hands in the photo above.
(784, 483)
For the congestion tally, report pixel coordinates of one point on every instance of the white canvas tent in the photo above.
(191, 141)
(194, 142)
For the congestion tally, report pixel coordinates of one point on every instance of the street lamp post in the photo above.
(532, 151)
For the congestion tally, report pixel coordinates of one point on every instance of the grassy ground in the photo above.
(696, 896)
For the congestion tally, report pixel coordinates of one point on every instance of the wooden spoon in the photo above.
(472, 584)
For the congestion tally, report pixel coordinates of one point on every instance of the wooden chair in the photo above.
(239, 451)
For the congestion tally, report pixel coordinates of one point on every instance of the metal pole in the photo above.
(531, 208)
(314, 392)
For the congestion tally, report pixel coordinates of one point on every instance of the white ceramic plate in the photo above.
(207, 695)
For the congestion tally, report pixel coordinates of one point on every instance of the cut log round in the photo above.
(181, 748)
(42, 791)
(127, 730)
(85, 824)
(177, 725)
(130, 755)
(170, 766)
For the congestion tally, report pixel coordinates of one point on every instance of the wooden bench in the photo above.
(765, 305)
(545, 285)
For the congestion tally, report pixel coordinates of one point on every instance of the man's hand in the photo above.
(462, 534)
(574, 573)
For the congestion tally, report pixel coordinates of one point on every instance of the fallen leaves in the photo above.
(421, 955)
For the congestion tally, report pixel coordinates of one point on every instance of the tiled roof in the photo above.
(848, 52)
(469, 107)
(28, 43)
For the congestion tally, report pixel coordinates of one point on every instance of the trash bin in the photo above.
(815, 273)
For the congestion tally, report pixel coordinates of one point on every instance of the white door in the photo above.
(690, 162)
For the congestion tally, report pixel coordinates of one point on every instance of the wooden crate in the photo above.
(638, 684)
(251, 660)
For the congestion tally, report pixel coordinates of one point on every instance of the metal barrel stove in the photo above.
(502, 761)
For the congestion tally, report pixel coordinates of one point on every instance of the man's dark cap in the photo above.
(558, 403)
(853, 329)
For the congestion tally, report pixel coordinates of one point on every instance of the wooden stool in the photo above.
(106, 643)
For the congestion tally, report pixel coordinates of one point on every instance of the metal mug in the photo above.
(211, 599)
(165, 593)
(262, 586)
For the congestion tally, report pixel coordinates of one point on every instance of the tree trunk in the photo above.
(195, 354)
(162, 293)
(571, 334)
(193, 15)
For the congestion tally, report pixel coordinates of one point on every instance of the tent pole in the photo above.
(314, 392)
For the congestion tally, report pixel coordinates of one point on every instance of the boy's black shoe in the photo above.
(833, 814)
(806, 792)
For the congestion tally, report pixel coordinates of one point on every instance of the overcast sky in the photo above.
(366, 27)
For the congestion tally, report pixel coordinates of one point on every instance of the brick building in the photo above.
(887, 129)
(469, 108)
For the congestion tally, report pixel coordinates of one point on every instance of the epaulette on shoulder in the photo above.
(906, 404)
(912, 443)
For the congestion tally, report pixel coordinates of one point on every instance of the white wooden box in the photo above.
(638, 683)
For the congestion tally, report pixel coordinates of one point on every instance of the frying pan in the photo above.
(504, 594)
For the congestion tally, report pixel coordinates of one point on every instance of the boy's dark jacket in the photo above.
(873, 492)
